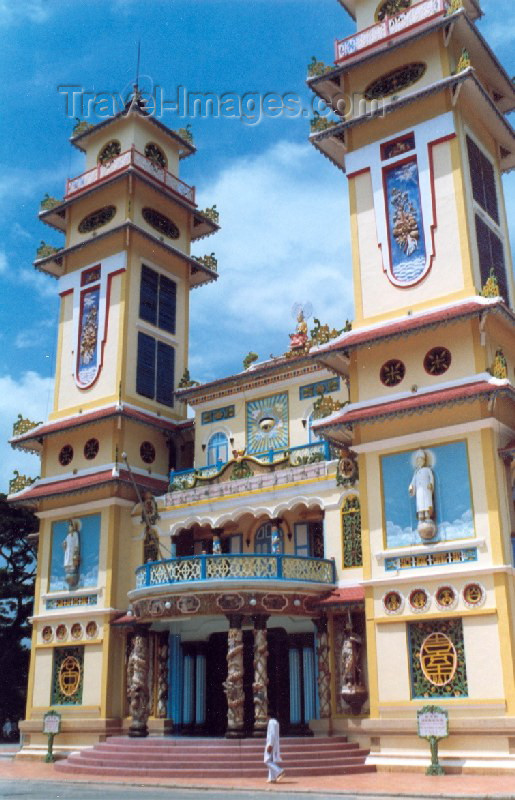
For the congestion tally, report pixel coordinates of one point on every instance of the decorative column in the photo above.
(260, 685)
(234, 684)
(162, 677)
(324, 673)
(137, 683)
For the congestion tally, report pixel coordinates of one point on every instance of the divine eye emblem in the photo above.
(392, 372)
(266, 424)
(437, 361)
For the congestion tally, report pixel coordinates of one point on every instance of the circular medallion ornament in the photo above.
(66, 455)
(155, 155)
(395, 81)
(47, 634)
(61, 633)
(419, 600)
(437, 361)
(446, 598)
(161, 223)
(474, 595)
(392, 372)
(147, 452)
(109, 151)
(96, 219)
(91, 449)
(393, 602)
(69, 676)
(76, 631)
(438, 659)
(91, 629)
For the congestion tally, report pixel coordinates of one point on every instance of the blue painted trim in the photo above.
(393, 564)
(280, 559)
(308, 665)
(311, 390)
(294, 668)
(175, 680)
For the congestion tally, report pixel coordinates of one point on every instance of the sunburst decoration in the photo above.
(267, 423)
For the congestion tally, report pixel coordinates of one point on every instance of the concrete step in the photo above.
(178, 757)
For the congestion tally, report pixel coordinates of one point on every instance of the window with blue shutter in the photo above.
(148, 295)
(158, 297)
(167, 304)
(146, 366)
(482, 175)
(155, 370)
(165, 374)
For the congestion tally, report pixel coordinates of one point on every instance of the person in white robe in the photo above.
(272, 755)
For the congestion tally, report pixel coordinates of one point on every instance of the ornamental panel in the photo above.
(68, 672)
(406, 240)
(217, 415)
(351, 530)
(160, 222)
(307, 569)
(395, 81)
(97, 219)
(267, 423)
(318, 388)
(437, 655)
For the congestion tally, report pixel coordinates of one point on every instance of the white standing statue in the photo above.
(422, 488)
(71, 547)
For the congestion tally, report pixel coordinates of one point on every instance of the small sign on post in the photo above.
(51, 726)
(433, 725)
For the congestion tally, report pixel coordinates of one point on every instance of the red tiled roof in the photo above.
(94, 416)
(401, 327)
(81, 483)
(416, 402)
(350, 594)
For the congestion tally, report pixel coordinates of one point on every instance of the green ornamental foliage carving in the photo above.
(209, 261)
(81, 126)
(500, 366)
(19, 482)
(319, 123)
(49, 202)
(249, 359)
(388, 8)
(155, 155)
(23, 425)
(351, 531)
(44, 250)
(464, 62)
(186, 134)
(185, 382)
(212, 214)
(326, 405)
(241, 470)
(321, 334)
(454, 6)
(317, 68)
(421, 686)
(109, 152)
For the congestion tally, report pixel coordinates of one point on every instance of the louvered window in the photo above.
(482, 176)
(157, 302)
(155, 371)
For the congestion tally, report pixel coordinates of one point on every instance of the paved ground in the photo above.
(34, 779)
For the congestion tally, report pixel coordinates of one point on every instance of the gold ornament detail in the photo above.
(454, 6)
(464, 62)
(325, 405)
(317, 68)
(19, 482)
(23, 425)
(69, 676)
(491, 287)
(438, 659)
(319, 123)
(500, 365)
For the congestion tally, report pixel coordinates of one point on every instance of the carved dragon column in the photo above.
(260, 685)
(234, 684)
(137, 683)
(324, 673)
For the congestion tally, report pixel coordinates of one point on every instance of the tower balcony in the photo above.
(130, 159)
(248, 570)
(381, 34)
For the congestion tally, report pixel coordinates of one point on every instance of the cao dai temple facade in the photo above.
(331, 536)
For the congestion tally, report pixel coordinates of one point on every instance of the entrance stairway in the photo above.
(182, 757)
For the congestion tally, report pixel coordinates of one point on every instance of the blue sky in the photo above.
(284, 211)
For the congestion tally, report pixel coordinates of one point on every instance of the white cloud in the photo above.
(40, 282)
(31, 396)
(27, 11)
(284, 239)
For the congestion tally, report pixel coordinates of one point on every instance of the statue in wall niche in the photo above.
(352, 689)
(71, 547)
(422, 489)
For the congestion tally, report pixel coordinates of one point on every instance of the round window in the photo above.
(91, 449)
(66, 455)
(395, 81)
(161, 223)
(96, 219)
(392, 372)
(147, 452)
(155, 155)
(437, 361)
(109, 151)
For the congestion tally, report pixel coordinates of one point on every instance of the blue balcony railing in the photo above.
(297, 456)
(237, 567)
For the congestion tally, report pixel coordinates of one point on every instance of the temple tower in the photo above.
(419, 127)
(124, 275)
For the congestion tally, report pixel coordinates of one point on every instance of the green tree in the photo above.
(17, 574)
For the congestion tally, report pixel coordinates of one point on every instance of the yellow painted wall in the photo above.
(112, 195)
